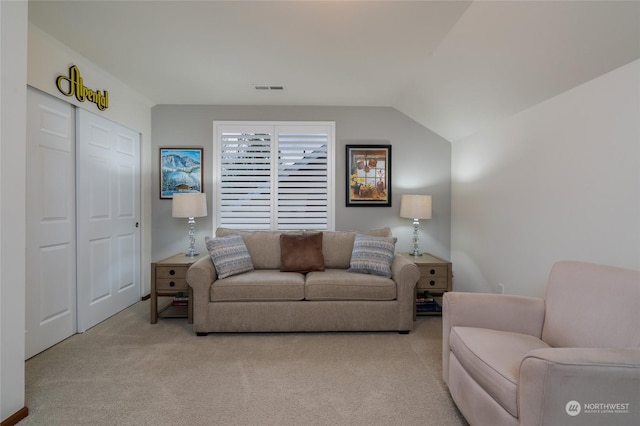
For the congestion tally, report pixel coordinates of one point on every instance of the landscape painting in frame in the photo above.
(369, 175)
(180, 171)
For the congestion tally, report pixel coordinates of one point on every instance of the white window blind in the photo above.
(274, 175)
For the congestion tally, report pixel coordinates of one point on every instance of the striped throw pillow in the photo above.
(229, 255)
(372, 255)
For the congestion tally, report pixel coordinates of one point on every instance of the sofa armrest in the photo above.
(200, 276)
(517, 314)
(405, 274)
(557, 382)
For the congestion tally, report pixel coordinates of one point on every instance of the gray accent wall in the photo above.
(421, 164)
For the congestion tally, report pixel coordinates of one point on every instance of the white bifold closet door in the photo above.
(83, 213)
(108, 215)
(51, 222)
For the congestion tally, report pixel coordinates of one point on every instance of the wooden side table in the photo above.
(168, 278)
(436, 276)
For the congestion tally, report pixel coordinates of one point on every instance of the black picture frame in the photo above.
(368, 176)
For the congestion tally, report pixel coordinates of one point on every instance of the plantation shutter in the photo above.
(302, 179)
(245, 186)
(274, 176)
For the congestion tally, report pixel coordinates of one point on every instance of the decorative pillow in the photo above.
(229, 255)
(372, 255)
(338, 245)
(301, 253)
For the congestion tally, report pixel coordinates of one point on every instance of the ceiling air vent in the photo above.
(268, 88)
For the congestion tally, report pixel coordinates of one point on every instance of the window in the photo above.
(274, 176)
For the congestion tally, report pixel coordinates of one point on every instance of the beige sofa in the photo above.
(334, 299)
(572, 358)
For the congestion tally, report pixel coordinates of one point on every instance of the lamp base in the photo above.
(192, 239)
(416, 250)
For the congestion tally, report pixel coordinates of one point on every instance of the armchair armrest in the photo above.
(405, 274)
(602, 383)
(200, 276)
(517, 314)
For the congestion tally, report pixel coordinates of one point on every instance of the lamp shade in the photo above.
(415, 206)
(189, 204)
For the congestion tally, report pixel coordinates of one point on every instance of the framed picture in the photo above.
(180, 171)
(369, 175)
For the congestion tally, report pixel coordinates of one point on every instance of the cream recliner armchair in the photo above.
(572, 358)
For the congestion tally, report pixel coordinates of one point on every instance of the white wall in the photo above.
(48, 59)
(13, 98)
(421, 164)
(558, 181)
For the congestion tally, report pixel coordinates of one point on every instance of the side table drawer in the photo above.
(433, 271)
(171, 272)
(433, 283)
(433, 277)
(171, 284)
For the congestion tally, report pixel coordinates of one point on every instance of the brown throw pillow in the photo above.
(301, 253)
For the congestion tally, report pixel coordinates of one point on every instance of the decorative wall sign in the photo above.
(369, 175)
(76, 87)
(180, 171)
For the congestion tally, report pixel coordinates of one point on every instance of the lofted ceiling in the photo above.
(453, 66)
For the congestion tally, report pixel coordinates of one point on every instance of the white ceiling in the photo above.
(453, 66)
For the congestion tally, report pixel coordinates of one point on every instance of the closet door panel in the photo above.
(50, 230)
(108, 213)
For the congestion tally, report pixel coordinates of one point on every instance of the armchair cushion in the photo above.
(516, 314)
(492, 358)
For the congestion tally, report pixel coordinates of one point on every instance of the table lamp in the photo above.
(415, 207)
(190, 205)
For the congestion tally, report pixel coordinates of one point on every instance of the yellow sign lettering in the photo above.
(76, 88)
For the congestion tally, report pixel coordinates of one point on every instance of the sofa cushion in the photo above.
(338, 284)
(229, 255)
(301, 253)
(493, 359)
(338, 245)
(263, 246)
(259, 285)
(372, 255)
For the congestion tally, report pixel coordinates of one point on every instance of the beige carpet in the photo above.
(126, 371)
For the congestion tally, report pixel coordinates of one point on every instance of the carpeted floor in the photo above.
(126, 371)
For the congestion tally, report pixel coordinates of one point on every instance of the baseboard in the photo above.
(143, 298)
(15, 417)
